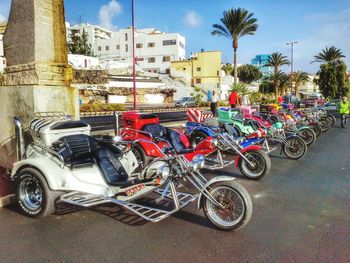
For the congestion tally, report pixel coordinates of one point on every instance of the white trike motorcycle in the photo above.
(64, 163)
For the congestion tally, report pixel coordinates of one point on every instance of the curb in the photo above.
(7, 200)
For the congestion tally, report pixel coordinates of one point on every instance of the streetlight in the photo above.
(133, 52)
(292, 58)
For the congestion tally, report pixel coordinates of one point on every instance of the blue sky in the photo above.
(313, 23)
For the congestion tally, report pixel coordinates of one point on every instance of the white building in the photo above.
(93, 32)
(154, 49)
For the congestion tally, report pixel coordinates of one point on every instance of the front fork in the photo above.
(237, 149)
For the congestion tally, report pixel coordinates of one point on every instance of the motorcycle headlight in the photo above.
(163, 171)
(215, 142)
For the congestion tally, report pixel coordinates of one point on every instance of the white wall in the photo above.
(83, 62)
(120, 47)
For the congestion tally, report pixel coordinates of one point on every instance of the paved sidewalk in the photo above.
(301, 214)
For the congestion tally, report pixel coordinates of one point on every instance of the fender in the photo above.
(249, 148)
(303, 128)
(203, 129)
(151, 150)
(63, 179)
(209, 183)
(291, 135)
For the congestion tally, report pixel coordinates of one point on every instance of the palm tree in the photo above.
(299, 77)
(283, 83)
(275, 77)
(235, 23)
(328, 55)
(276, 60)
(227, 68)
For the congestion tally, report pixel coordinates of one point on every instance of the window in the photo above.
(182, 45)
(166, 59)
(167, 71)
(152, 60)
(198, 81)
(99, 48)
(107, 48)
(118, 47)
(184, 69)
(217, 73)
(126, 48)
(139, 45)
(169, 42)
(199, 69)
(151, 44)
(139, 59)
(126, 36)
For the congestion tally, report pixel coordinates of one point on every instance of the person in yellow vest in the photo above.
(344, 111)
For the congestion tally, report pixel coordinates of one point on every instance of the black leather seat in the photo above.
(83, 150)
(77, 150)
(174, 139)
(156, 130)
(111, 168)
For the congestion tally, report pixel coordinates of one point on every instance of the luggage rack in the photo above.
(52, 115)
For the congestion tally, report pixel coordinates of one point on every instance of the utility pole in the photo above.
(292, 62)
(133, 52)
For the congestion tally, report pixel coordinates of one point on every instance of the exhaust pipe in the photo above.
(21, 151)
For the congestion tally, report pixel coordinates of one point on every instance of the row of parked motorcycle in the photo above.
(64, 163)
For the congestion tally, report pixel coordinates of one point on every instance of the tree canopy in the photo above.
(249, 73)
(236, 23)
(332, 79)
(79, 44)
(329, 54)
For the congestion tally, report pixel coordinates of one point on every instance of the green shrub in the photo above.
(223, 103)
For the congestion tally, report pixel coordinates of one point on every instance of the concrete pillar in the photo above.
(37, 78)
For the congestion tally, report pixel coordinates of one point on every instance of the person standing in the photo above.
(214, 103)
(344, 111)
(234, 99)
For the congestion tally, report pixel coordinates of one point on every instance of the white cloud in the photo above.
(2, 18)
(108, 12)
(192, 19)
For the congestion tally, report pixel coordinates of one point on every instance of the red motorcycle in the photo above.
(146, 131)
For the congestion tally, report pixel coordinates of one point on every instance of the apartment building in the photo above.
(203, 70)
(154, 50)
(94, 33)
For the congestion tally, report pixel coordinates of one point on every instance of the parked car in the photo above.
(186, 102)
(313, 100)
(331, 106)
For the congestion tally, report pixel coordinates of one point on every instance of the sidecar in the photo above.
(65, 163)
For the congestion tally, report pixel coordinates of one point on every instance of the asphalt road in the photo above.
(301, 214)
(102, 123)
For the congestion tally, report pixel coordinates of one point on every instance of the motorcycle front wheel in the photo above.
(325, 124)
(236, 209)
(295, 148)
(316, 128)
(331, 119)
(261, 164)
(308, 135)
